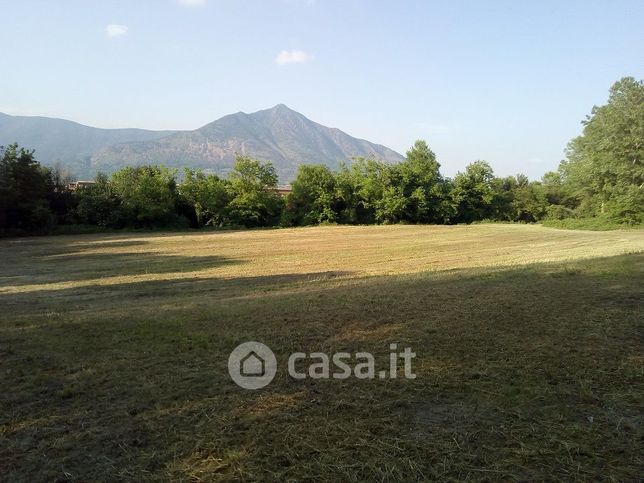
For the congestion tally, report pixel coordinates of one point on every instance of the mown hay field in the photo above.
(113, 354)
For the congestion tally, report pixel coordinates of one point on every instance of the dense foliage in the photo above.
(413, 191)
(602, 179)
(32, 198)
(604, 175)
(149, 196)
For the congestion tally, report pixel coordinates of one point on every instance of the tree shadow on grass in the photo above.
(189, 287)
(73, 262)
(510, 366)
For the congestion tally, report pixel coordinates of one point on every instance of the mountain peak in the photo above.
(278, 134)
(279, 109)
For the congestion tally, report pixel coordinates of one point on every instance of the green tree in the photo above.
(351, 206)
(473, 192)
(376, 192)
(392, 205)
(25, 188)
(62, 200)
(208, 195)
(604, 171)
(529, 201)
(516, 198)
(421, 184)
(253, 191)
(501, 208)
(313, 198)
(366, 193)
(99, 205)
(148, 196)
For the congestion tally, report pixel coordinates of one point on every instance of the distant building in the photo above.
(284, 190)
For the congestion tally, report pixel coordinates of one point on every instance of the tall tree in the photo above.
(253, 192)
(148, 195)
(473, 192)
(359, 186)
(313, 198)
(604, 170)
(61, 198)
(98, 204)
(208, 195)
(25, 187)
(422, 185)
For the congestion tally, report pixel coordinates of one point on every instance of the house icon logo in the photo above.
(252, 365)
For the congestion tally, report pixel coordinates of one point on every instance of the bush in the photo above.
(558, 212)
(594, 224)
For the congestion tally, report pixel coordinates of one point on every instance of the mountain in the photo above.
(66, 142)
(281, 135)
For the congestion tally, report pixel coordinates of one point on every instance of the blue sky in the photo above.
(504, 81)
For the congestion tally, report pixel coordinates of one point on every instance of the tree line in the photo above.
(602, 177)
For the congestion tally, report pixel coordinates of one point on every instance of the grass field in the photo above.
(114, 348)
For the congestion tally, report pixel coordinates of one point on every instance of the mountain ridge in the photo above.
(278, 134)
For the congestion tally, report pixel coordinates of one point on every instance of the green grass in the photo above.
(113, 353)
(596, 224)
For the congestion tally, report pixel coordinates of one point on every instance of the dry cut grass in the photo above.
(91, 260)
(113, 352)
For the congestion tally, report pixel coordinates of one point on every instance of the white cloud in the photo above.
(116, 30)
(192, 3)
(292, 57)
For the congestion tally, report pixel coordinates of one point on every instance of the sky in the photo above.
(504, 81)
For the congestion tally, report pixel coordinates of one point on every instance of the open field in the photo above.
(113, 354)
